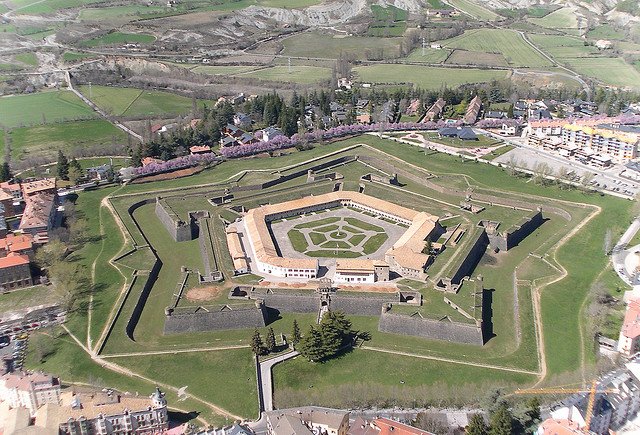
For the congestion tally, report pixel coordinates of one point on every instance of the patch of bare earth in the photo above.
(203, 293)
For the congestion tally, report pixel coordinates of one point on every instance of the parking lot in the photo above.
(608, 179)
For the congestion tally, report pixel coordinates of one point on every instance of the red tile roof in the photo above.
(16, 243)
(13, 260)
(390, 427)
(631, 325)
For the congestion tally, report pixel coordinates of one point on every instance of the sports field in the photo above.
(295, 74)
(425, 77)
(137, 102)
(508, 43)
(326, 46)
(45, 140)
(42, 108)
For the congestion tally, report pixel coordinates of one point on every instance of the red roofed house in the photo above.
(150, 160)
(46, 185)
(390, 427)
(31, 390)
(628, 342)
(15, 272)
(197, 149)
(17, 244)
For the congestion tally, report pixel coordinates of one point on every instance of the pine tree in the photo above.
(311, 345)
(75, 164)
(271, 341)
(477, 426)
(501, 421)
(295, 336)
(63, 166)
(532, 413)
(5, 172)
(256, 343)
(510, 111)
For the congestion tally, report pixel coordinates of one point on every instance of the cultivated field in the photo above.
(563, 19)
(118, 38)
(42, 108)
(295, 74)
(610, 71)
(135, 102)
(45, 140)
(562, 47)
(430, 55)
(425, 77)
(326, 46)
(507, 43)
(474, 9)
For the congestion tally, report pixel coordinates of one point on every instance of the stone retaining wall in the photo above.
(430, 329)
(198, 319)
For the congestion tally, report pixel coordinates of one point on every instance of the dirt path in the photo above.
(124, 371)
(167, 352)
(453, 361)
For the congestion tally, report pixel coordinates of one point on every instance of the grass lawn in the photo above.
(482, 142)
(137, 102)
(46, 140)
(474, 9)
(31, 7)
(221, 69)
(326, 46)
(298, 74)
(361, 378)
(425, 77)
(610, 71)
(564, 18)
(363, 225)
(506, 42)
(374, 243)
(231, 382)
(118, 38)
(42, 108)
(122, 13)
(298, 241)
(431, 55)
(28, 297)
(318, 222)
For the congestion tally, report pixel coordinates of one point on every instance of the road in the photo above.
(266, 385)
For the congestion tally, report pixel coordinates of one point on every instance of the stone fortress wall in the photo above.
(199, 319)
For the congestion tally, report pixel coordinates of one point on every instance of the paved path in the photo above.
(266, 381)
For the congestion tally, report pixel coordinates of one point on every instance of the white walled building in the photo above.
(30, 390)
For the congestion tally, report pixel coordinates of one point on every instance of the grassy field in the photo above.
(71, 56)
(425, 77)
(562, 19)
(32, 7)
(464, 57)
(222, 69)
(474, 9)
(46, 140)
(326, 46)
(606, 31)
(501, 41)
(118, 38)
(137, 102)
(27, 58)
(121, 13)
(28, 297)
(42, 108)
(562, 47)
(610, 71)
(297, 74)
(430, 55)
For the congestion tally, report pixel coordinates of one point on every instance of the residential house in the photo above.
(473, 111)
(29, 390)
(413, 107)
(435, 111)
(495, 114)
(462, 133)
(443, 13)
(603, 44)
(629, 339)
(268, 134)
(99, 173)
(39, 213)
(384, 426)
(242, 120)
(197, 149)
(17, 244)
(151, 161)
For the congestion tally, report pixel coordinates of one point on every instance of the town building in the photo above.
(15, 272)
(559, 427)
(197, 149)
(621, 146)
(462, 133)
(29, 390)
(629, 339)
(361, 271)
(151, 161)
(39, 213)
(435, 111)
(307, 420)
(405, 257)
(17, 244)
(107, 413)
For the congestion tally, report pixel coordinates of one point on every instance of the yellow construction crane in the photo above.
(562, 390)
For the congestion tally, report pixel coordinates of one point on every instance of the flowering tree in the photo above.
(175, 164)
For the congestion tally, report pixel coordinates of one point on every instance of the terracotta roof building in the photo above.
(307, 420)
(39, 212)
(46, 185)
(17, 244)
(473, 110)
(629, 340)
(15, 272)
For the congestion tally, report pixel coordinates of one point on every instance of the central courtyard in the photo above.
(336, 233)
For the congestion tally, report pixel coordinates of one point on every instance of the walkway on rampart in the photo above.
(265, 383)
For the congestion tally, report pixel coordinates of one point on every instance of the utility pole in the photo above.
(289, 65)
(424, 45)
(90, 92)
